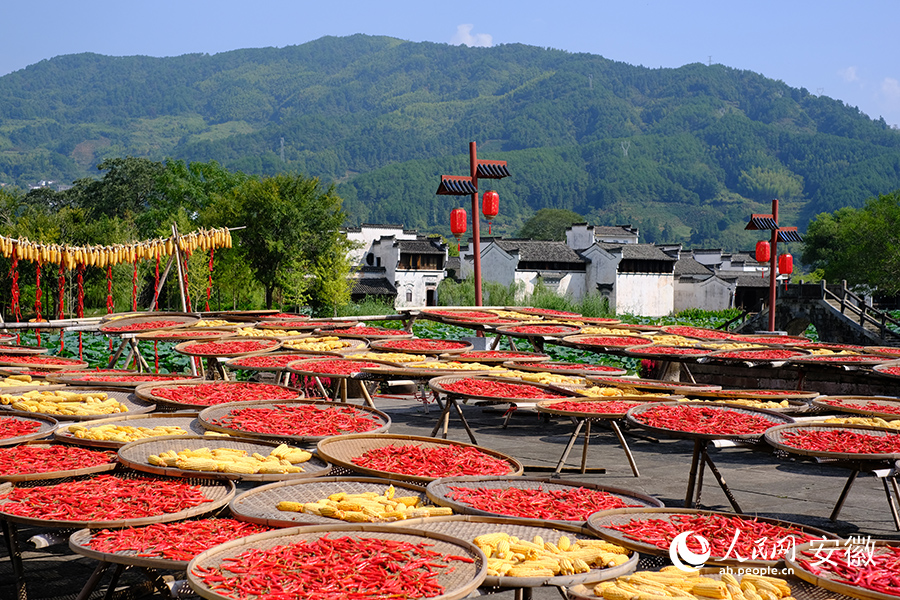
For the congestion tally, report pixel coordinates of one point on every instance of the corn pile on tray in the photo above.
(214, 457)
(75, 404)
(115, 432)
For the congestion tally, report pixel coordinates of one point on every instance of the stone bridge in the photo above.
(839, 315)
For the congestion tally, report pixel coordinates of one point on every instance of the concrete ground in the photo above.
(763, 483)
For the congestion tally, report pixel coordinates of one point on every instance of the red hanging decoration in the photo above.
(786, 267)
(134, 289)
(763, 251)
(61, 284)
(156, 284)
(458, 224)
(79, 309)
(37, 299)
(490, 206)
(212, 252)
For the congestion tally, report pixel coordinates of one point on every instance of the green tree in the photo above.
(549, 224)
(290, 222)
(861, 246)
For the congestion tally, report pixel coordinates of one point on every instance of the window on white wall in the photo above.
(409, 295)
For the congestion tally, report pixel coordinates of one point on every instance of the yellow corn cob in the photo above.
(613, 592)
(773, 584)
(529, 572)
(564, 543)
(710, 589)
(356, 517)
(233, 466)
(735, 591)
(288, 506)
(197, 464)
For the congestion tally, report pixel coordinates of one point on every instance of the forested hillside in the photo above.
(685, 154)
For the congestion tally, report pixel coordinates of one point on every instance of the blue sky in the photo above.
(846, 50)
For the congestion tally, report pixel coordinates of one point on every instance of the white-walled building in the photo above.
(397, 264)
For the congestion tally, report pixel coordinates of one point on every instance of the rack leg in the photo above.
(692, 476)
(624, 444)
(11, 535)
(843, 497)
(565, 454)
(93, 580)
(465, 423)
(891, 503)
(584, 447)
(721, 481)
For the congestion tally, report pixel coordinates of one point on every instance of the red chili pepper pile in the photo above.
(672, 350)
(221, 348)
(299, 420)
(575, 504)
(267, 360)
(184, 334)
(434, 461)
(548, 311)
(846, 358)
(20, 460)
(570, 367)
(342, 568)
(462, 314)
(498, 389)
(423, 344)
(335, 367)
(11, 427)
(891, 408)
(541, 329)
(504, 354)
(125, 378)
(773, 354)
(876, 568)
(145, 326)
(38, 359)
(703, 419)
(743, 393)
(841, 440)
(890, 370)
(617, 341)
(103, 498)
(729, 536)
(208, 394)
(698, 332)
(375, 331)
(596, 406)
(283, 315)
(182, 540)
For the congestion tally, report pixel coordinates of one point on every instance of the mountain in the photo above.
(685, 154)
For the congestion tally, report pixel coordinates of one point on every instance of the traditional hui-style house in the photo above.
(396, 264)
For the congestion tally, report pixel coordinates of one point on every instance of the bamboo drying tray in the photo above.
(135, 379)
(546, 406)
(69, 363)
(438, 384)
(341, 450)
(219, 492)
(46, 426)
(44, 475)
(259, 504)
(468, 527)
(14, 349)
(651, 384)
(558, 367)
(844, 404)
(134, 455)
(182, 320)
(497, 356)
(458, 583)
(600, 522)
(265, 344)
(145, 391)
(135, 405)
(774, 417)
(831, 583)
(208, 416)
(775, 438)
(187, 421)
(243, 362)
(452, 347)
(439, 492)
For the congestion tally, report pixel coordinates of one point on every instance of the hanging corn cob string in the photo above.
(212, 252)
(14, 293)
(61, 284)
(134, 280)
(37, 298)
(79, 310)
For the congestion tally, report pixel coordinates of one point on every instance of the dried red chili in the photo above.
(40, 359)
(573, 504)
(557, 366)
(613, 341)
(422, 345)
(299, 420)
(842, 440)
(208, 394)
(541, 329)
(751, 355)
(343, 568)
(875, 568)
(11, 427)
(182, 540)
(695, 418)
(375, 331)
(433, 461)
(596, 406)
(143, 326)
(103, 498)
(225, 347)
(24, 459)
(547, 311)
(498, 389)
(728, 536)
(698, 332)
(870, 406)
(270, 361)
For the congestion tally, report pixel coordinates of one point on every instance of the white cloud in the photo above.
(849, 74)
(465, 36)
(890, 88)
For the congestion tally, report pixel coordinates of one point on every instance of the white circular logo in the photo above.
(683, 558)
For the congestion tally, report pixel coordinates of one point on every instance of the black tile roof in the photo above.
(687, 265)
(638, 251)
(373, 286)
(421, 246)
(544, 251)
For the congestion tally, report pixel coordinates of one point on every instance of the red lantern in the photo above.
(490, 206)
(458, 223)
(785, 264)
(763, 251)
